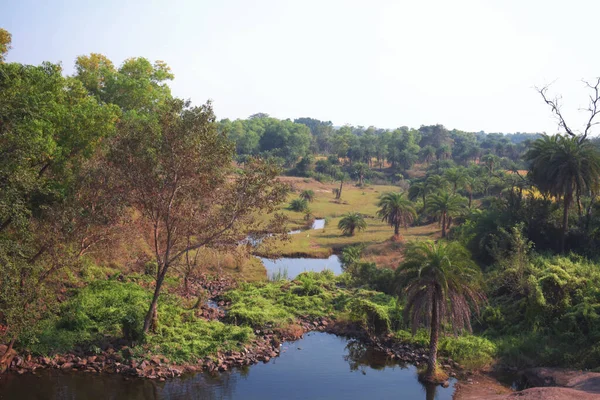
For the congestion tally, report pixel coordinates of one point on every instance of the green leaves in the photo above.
(351, 222)
(396, 210)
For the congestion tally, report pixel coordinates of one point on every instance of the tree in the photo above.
(137, 85)
(419, 189)
(456, 177)
(360, 170)
(5, 40)
(441, 284)
(308, 195)
(472, 185)
(445, 206)
(299, 205)
(176, 171)
(437, 183)
(564, 167)
(50, 128)
(396, 210)
(351, 222)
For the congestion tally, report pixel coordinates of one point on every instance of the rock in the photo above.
(66, 366)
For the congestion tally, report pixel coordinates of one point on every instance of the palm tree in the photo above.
(419, 189)
(437, 183)
(360, 170)
(445, 206)
(396, 210)
(351, 222)
(563, 166)
(472, 185)
(427, 153)
(299, 205)
(308, 195)
(456, 177)
(440, 282)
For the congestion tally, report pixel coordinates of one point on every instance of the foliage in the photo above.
(299, 205)
(441, 286)
(308, 195)
(351, 222)
(117, 309)
(396, 210)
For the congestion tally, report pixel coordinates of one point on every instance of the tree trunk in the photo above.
(339, 193)
(443, 225)
(433, 340)
(565, 226)
(396, 228)
(151, 319)
(7, 357)
(470, 198)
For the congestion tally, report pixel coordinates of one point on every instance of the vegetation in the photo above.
(351, 222)
(116, 199)
(441, 286)
(396, 210)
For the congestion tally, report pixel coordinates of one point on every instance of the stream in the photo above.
(319, 366)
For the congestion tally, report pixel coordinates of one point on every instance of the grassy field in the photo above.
(377, 237)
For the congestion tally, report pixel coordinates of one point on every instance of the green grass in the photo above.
(322, 243)
(116, 308)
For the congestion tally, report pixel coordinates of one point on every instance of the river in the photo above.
(319, 366)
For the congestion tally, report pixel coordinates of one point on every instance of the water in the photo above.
(295, 266)
(320, 366)
(317, 224)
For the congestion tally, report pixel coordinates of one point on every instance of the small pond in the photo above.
(317, 224)
(292, 267)
(319, 366)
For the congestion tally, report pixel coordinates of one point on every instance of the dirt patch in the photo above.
(479, 387)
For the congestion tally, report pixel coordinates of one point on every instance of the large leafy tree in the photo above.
(445, 206)
(396, 210)
(176, 170)
(351, 222)
(5, 40)
(565, 167)
(50, 130)
(441, 285)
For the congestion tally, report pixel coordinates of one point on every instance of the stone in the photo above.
(66, 366)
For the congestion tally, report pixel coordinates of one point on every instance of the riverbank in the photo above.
(117, 357)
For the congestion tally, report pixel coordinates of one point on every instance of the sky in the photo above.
(467, 64)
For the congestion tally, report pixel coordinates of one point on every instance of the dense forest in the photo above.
(117, 201)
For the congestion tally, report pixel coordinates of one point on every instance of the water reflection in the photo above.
(320, 366)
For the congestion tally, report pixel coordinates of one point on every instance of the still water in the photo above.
(319, 366)
(295, 266)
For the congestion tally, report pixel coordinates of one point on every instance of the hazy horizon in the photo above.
(468, 65)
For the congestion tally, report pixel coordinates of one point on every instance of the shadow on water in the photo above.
(319, 366)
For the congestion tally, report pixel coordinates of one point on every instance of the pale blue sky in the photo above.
(467, 64)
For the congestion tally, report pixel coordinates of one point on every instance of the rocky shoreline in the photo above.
(117, 357)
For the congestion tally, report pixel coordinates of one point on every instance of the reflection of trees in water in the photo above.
(202, 386)
(361, 358)
(56, 385)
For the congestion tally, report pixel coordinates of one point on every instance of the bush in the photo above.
(299, 205)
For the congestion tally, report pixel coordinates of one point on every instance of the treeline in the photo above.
(294, 141)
